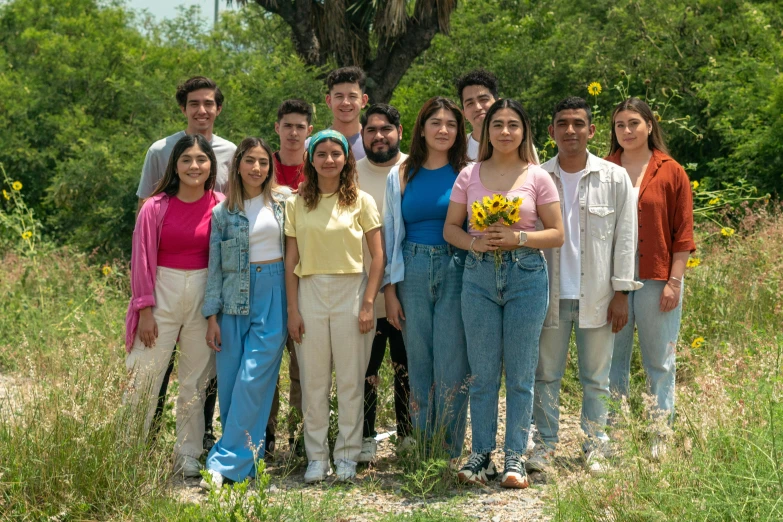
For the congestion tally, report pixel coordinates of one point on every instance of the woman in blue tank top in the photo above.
(424, 274)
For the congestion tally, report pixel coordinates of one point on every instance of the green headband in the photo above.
(325, 135)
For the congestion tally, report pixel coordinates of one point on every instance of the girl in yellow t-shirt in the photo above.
(331, 299)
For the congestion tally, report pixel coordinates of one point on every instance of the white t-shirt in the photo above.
(569, 252)
(473, 148)
(264, 231)
(157, 160)
(372, 180)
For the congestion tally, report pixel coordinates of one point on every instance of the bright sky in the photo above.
(168, 8)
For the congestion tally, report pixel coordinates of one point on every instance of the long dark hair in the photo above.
(526, 151)
(655, 139)
(170, 182)
(347, 191)
(236, 189)
(458, 153)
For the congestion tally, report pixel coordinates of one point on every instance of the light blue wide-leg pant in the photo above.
(247, 368)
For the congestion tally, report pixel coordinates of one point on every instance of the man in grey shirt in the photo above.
(200, 100)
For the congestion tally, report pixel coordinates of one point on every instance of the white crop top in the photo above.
(264, 231)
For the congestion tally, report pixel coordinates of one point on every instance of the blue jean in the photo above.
(247, 367)
(503, 309)
(658, 332)
(435, 341)
(594, 351)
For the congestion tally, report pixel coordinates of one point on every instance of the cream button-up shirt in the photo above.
(607, 241)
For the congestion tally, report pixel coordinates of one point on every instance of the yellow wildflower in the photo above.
(106, 270)
(16, 185)
(713, 201)
(727, 231)
(698, 342)
(657, 117)
(27, 235)
(693, 262)
(6, 195)
(694, 185)
(594, 89)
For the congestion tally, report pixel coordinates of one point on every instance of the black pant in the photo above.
(209, 405)
(383, 332)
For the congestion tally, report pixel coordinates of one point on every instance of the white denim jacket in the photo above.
(607, 241)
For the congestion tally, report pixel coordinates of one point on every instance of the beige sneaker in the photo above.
(369, 449)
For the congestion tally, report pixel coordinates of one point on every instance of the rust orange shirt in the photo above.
(665, 215)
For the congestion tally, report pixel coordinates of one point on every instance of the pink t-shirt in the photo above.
(184, 236)
(538, 189)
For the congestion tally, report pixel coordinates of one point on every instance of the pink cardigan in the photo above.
(144, 260)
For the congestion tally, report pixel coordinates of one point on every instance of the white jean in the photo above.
(179, 295)
(330, 305)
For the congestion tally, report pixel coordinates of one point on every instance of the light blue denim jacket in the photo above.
(228, 279)
(393, 230)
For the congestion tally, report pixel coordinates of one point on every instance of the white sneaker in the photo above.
(596, 462)
(345, 469)
(542, 458)
(217, 481)
(317, 470)
(369, 447)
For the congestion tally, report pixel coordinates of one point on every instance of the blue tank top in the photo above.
(425, 203)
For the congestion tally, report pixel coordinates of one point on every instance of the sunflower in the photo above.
(479, 213)
(594, 89)
(496, 204)
(27, 235)
(486, 201)
(479, 224)
(513, 215)
(16, 185)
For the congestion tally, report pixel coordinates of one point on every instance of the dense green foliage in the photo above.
(89, 86)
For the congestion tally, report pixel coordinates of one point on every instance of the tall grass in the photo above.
(726, 458)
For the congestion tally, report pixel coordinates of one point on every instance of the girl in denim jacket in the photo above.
(245, 305)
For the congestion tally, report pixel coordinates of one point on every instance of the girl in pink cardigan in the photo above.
(168, 282)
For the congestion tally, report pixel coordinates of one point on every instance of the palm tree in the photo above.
(383, 37)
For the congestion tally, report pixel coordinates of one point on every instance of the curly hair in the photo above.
(348, 190)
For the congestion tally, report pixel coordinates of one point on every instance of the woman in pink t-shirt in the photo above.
(168, 283)
(504, 286)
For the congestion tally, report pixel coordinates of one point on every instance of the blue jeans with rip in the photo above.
(594, 353)
(435, 341)
(658, 333)
(504, 308)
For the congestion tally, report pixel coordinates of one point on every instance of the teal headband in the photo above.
(325, 135)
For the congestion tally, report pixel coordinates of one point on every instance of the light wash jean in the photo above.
(435, 341)
(594, 351)
(506, 304)
(247, 367)
(658, 333)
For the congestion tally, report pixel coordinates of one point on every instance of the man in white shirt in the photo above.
(381, 134)
(477, 91)
(590, 277)
(346, 99)
(201, 101)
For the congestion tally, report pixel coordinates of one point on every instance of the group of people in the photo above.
(339, 244)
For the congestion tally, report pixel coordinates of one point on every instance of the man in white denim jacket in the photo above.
(589, 280)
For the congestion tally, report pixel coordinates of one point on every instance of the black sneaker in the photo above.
(514, 475)
(478, 469)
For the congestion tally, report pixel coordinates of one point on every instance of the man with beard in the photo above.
(381, 133)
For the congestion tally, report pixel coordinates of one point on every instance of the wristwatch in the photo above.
(522, 238)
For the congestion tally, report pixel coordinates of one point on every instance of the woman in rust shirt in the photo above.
(665, 210)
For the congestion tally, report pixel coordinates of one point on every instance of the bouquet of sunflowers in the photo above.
(491, 210)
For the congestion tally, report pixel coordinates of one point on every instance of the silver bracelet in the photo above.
(471, 244)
